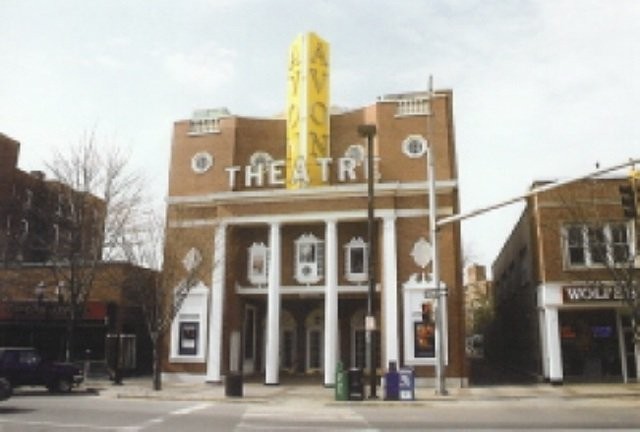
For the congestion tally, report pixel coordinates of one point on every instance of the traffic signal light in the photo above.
(628, 198)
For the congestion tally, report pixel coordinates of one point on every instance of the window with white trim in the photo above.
(261, 158)
(414, 146)
(258, 263)
(597, 245)
(308, 259)
(356, 260)
(201, 162)
(187, 335)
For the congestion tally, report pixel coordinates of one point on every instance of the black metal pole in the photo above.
(369, 131)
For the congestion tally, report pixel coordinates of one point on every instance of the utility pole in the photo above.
(369, 132)
(440, 292)
(547, 187)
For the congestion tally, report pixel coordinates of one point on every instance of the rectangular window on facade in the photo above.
(597, 245)
(575, 244)
(188, 343)
(308, 259)
(619, 243)
(356, 264)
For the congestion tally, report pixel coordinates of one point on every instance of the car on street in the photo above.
(25, 366)
(5, 389)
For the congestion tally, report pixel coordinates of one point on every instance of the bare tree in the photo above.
(99, 195)
(159, 294)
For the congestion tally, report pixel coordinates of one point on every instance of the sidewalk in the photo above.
(255, 392)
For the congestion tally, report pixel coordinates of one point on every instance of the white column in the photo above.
(273, 307)
(331, 303)
(216, 309)
(390, 292)
(553, 345)
(542, 328)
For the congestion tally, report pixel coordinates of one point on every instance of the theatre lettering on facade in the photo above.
(272, 214)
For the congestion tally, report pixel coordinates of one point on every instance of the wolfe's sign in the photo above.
(579, 294)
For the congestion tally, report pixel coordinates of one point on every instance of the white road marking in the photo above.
(191, 409)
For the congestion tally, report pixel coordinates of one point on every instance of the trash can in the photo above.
(342, 383)
(356, 384)
(233, 384)
(406, 384)
(392, 383)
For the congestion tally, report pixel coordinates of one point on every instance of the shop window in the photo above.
(308, 259)
(356, 260)
(597, 245)
(188, 343)
(258, 263)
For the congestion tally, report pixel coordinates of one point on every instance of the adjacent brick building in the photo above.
(560, 311)
(44, 227)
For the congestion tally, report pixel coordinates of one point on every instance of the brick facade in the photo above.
(564, 243)
(215, 201)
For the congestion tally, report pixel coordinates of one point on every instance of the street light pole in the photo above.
(440, 292)
(369, 132)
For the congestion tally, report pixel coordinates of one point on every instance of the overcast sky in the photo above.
(542, 89)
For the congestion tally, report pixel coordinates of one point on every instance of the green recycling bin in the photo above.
(342, 383)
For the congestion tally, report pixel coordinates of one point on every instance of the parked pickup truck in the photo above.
(25, 367)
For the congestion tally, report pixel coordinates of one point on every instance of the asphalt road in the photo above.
(42, 412)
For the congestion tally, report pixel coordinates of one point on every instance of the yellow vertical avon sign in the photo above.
(307, 111)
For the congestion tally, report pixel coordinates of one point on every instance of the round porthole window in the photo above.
(201, 162)
(414, 146)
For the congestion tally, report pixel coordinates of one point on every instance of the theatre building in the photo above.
(272, 216)
(561, 306)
